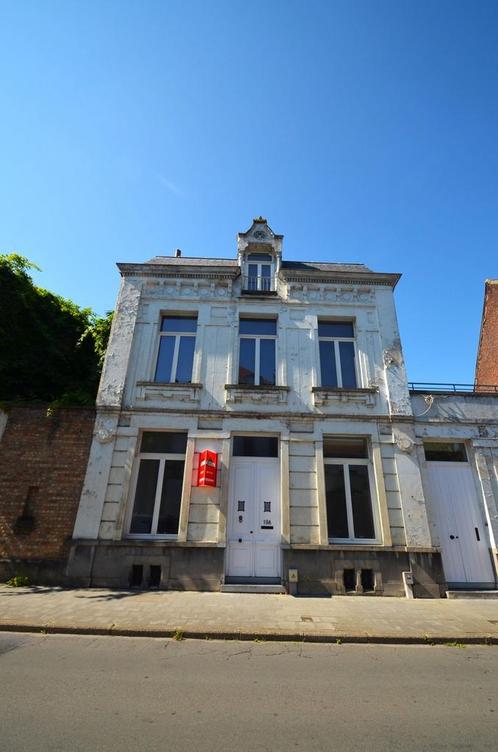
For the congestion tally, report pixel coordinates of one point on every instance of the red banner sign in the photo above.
(208, 468)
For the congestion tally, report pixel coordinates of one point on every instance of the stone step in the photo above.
(454, 594)
(241, 587)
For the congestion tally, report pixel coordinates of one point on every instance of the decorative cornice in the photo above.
(330, 278)
(212, 272)
(331, 294)
(176, 272)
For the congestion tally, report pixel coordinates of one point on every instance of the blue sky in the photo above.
(363, 130)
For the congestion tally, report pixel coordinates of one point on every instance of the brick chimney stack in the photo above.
(487, 354)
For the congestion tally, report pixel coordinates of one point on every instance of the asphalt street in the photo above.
(72, 693)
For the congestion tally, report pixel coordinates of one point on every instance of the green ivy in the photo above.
(52, 349)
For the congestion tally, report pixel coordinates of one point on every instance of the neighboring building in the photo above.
(281, 384)
(487, 354)
(456, 441)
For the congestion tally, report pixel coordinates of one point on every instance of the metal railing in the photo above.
(258, 284)
(432, 387)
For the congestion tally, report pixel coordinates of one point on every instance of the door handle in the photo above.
(478, 537)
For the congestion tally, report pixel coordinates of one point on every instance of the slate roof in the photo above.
(192, 261)
(303, 266)
(318, 266)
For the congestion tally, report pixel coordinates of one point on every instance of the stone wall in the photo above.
(358, 571)
(140, 564)
(43, 460)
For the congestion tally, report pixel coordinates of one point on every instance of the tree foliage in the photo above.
(50, 348)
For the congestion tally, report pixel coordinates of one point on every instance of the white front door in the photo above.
(253, 529)
(463, 535)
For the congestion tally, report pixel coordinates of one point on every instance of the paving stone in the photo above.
(231, 613)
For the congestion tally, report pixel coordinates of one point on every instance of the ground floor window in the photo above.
(255, 446)
(348, 489)
(438, 451)
(159, 483)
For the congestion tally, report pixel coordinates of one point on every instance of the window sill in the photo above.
(346, 546)
(149, 537)
(262, 293)
(344, 542)
(360, 547)
(156, 541)
(328, 395)
(165, 391)
(258, 394)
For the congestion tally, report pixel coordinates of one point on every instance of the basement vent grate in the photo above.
(367, 580)
(155, 576)
(136, 575)
(349, 579)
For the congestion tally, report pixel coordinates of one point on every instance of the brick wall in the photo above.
(487, 356)
(42, 466)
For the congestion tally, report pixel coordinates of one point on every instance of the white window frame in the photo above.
(260, 285)
(257, 348)
(163, 458)
(337, 354)
(176, 349)
(346, 462)
(259, 277)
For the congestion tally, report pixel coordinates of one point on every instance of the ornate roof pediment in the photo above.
(259, 238)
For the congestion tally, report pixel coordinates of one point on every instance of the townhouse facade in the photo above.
(255, 430)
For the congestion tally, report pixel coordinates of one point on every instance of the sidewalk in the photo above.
(247, 616)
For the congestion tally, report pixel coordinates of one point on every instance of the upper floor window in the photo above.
(259, 273)
(176, 349)
(337, 354)
(347, 489)
(257, 351)
(158, 484)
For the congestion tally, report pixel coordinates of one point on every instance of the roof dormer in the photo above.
(259, 253)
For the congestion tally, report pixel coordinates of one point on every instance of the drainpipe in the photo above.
(90, 578)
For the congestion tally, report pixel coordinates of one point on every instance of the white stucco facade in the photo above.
(298, 410)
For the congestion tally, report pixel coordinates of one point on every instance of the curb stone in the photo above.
(248, 635)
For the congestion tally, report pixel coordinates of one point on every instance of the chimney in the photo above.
(178, 253)
(487, 354)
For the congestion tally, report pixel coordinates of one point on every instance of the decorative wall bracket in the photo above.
(392, 357)
(404, 443)
(105, 430)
